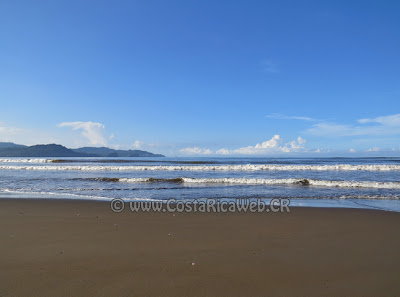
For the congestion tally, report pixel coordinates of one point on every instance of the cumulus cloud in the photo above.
(296, 144)
(138, 144)
(195, 151)
(94, 132)
(274, 145)
(269, 145)
(222, 151)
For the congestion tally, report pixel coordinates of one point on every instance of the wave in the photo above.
(46, 194)
(136, 180)
(257, 181)
(128, 161)
(248, 167)
(62, 195)
(36, 160)
(26, 161)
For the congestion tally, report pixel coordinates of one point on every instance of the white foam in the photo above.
(134, 180)
(26, 160)
(291, 181)
(284, 181)
(33, 194)
(248, 167)
(54, 195)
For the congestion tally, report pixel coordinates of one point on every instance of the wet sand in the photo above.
(76, 248)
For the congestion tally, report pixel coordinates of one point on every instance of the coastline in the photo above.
(81, 248)
(391, 205)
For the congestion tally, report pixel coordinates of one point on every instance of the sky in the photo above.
(203, 78)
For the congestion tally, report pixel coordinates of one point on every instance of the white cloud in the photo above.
(384, 125)
(159, 148)
(390, 120)
(274, 145)
(195, 151)
(297, 144)
(270, 145)
(286, 117)
(352, 150)
(138, 144)
(373, 149)
(223, 151)
(94, 132)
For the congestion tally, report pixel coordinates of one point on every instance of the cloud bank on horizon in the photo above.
(272, 146)
(377, 127)
(94, 134)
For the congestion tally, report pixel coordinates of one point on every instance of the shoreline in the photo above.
(389, 205)
(80, 248)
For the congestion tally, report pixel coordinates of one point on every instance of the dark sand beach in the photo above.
(77, 248)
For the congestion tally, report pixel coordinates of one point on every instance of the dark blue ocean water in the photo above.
(343, 182)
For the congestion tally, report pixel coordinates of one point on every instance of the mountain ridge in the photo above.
(9, 149)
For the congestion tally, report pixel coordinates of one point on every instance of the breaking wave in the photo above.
(128, 161)
(256, 181)
(61, 161)
(137, 180)
(26, 161)
(248, 167)
(50, 194)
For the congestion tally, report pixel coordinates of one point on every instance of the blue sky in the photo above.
(203, 77)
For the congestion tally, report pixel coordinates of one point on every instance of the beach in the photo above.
(82, 248)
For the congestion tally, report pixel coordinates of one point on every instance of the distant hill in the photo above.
(9, 149)
(10, 145)
(107, 152)
(41, 150)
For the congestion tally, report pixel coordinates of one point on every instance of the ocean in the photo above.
(323, 182)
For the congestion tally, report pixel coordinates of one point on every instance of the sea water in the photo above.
(324, 182)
